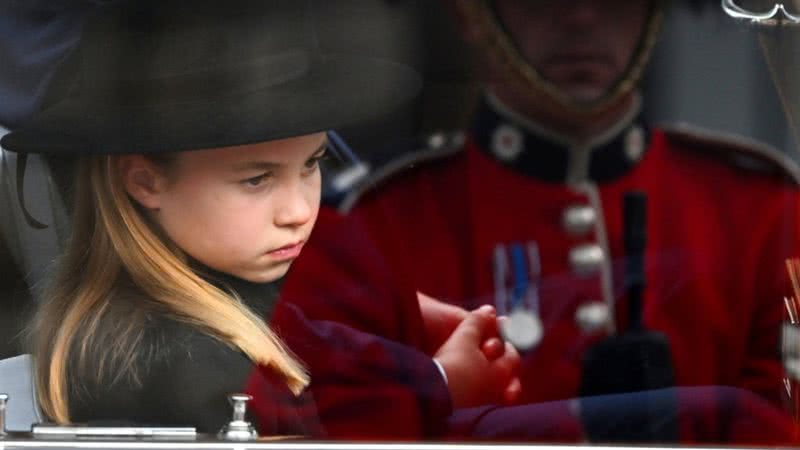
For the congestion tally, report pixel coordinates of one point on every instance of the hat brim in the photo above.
(339, 91)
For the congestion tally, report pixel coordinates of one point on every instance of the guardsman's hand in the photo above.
(473, 378)
(440, 320)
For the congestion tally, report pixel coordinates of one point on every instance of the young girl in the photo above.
(148, 325)
(157, 311)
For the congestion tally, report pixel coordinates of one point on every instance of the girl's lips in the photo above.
(286, 252)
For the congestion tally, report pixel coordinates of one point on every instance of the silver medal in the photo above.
(522, 328)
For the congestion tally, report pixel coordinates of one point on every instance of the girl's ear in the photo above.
(143, 180)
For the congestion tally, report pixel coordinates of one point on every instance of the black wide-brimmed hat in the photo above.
(170, 75)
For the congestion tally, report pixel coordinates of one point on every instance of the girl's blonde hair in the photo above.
(112, 239)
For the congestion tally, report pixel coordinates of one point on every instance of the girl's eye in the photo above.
(314, 161)
(256, 181)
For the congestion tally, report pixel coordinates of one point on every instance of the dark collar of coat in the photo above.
(532, 150)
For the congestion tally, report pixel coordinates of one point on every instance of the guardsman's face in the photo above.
(244, 210)
(583, 47)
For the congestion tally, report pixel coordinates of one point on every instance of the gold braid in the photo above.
(498, 41)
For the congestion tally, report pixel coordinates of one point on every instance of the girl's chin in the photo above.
(273, 273)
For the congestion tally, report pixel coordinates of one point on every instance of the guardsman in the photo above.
(526, 211)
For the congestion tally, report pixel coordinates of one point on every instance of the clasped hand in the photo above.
(481, 368)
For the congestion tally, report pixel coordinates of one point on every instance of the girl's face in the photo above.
(245, 210)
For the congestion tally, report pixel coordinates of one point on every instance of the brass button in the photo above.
(592, 317)
(579, 219)
(586, 259)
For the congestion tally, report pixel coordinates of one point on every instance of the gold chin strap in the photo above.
(497, 41)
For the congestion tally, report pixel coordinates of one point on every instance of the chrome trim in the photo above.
(777, 16)
(314, 445)
(47, 431)
(10, 444)
(3, 403)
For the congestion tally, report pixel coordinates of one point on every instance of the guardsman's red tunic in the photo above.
(721, 221)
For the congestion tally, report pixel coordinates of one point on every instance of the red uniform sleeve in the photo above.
(359, 331)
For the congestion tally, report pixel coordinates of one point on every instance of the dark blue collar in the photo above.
(530, 149)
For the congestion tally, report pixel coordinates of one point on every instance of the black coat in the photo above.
(182, 375)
